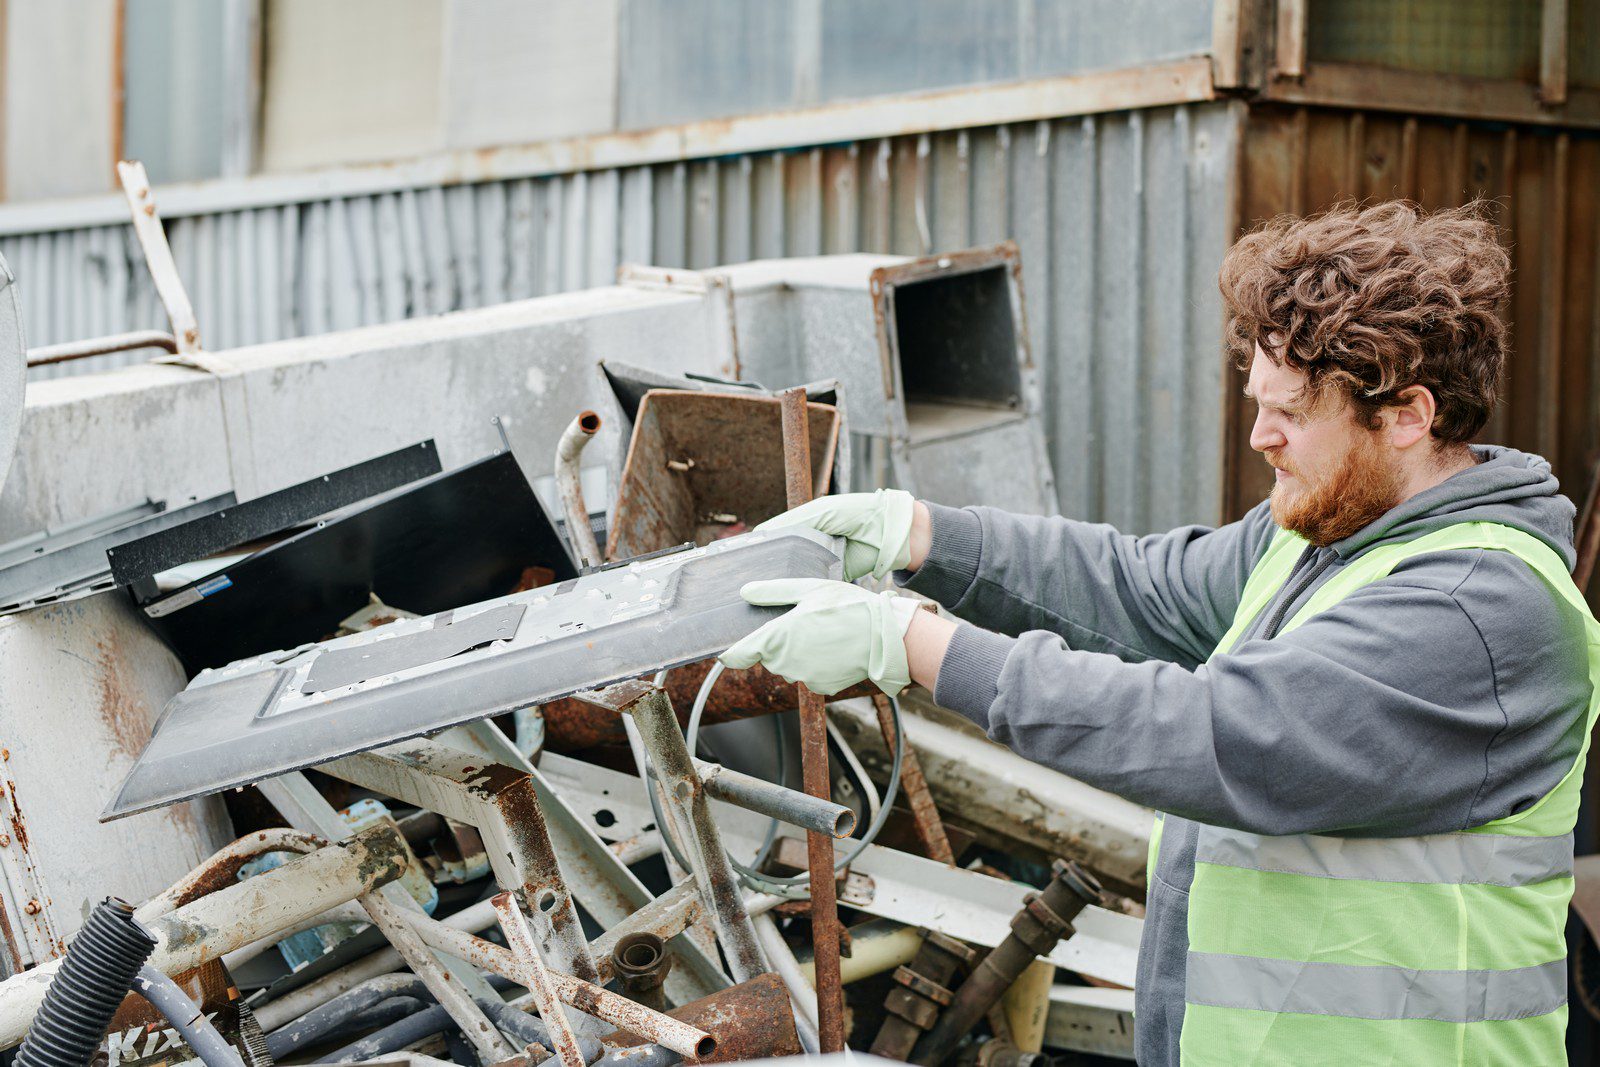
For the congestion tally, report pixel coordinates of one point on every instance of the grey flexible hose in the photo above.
(186, 1018)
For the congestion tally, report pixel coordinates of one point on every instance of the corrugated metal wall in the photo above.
(1121, 218)
(1541, 181)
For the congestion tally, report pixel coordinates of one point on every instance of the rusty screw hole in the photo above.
(546, 901)
(684, 790)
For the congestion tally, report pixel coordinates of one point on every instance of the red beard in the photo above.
(1361, 489)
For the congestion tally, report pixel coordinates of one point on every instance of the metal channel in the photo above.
(154, 552)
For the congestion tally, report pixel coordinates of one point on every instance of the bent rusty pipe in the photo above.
(579, 432)
(1045, 919)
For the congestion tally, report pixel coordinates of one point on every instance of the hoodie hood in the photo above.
(1506, 486)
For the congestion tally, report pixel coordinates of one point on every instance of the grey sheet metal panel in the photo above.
(284, 711)
(1122, 220)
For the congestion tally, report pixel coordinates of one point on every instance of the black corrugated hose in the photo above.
(101, 964)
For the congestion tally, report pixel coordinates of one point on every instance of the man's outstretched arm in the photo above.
(1166, 596)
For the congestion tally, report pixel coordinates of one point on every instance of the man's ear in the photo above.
(1410, 418)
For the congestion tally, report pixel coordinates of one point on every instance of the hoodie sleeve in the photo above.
(1167, 596)
(1450, 694)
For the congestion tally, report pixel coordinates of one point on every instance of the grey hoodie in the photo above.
(1449, 694)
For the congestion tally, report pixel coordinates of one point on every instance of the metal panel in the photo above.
(1121, 218)
(1302, 160)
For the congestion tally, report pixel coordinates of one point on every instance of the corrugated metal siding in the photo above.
(1541, 180)
(1121, 218)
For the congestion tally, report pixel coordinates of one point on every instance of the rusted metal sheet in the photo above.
(751, 1021)
(1302, 160)
(572, 724)
(702, 466)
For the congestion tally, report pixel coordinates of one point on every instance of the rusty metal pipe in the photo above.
(775, 801)
(101, 346)
(586, 997)
(237, 915)
(814, 762)
(686, 796)
(221, 869)
(519, 938)
(1045, 919)
(579, 432)
(752, 1021)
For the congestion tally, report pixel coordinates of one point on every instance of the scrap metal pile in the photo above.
(498, 802)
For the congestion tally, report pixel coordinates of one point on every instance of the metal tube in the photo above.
(574, 438)
(1045, 919)
(814, 762)
(101, 346)
(793, 807)
(802, 997)
(186, 1018)
(221, 869)
(603, 1004)
(520, 940)
(924, 812)
(668, 915)
(318, 1024)
(237, 915)
(446, 987)
(686, 796)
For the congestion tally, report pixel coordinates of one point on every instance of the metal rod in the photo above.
(446, 987)
(233, 917)
(613, 1008)
(158, 256)
(924, 812)
(101, 346)
(793, 807)
(579, 432)
(686, 797)
(1045, 919)
(520, 940)
(814, 762)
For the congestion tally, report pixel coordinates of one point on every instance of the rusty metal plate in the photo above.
(261, 717)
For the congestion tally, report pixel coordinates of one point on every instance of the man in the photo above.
(1363, 707)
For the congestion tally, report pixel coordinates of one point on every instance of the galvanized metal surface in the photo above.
(81, 684)
(13, 349)
(1121, 219)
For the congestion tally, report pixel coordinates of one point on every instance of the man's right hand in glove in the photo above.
(884, 531)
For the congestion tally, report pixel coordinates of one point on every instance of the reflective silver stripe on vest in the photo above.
(1259, 984)
(1451, 859)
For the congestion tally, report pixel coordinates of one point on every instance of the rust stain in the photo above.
(752, 1020)
(126, 714)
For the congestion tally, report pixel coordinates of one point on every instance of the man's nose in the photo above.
(1265, 435)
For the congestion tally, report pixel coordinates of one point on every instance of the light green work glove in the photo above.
(876, 528)
(837, 635)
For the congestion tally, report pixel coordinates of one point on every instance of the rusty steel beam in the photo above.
(924, 812)
(814, 763)
(751, 1021)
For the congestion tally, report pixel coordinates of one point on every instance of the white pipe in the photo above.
(579, 432)
(232, 917)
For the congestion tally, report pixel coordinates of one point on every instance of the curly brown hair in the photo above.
(1371, 301)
